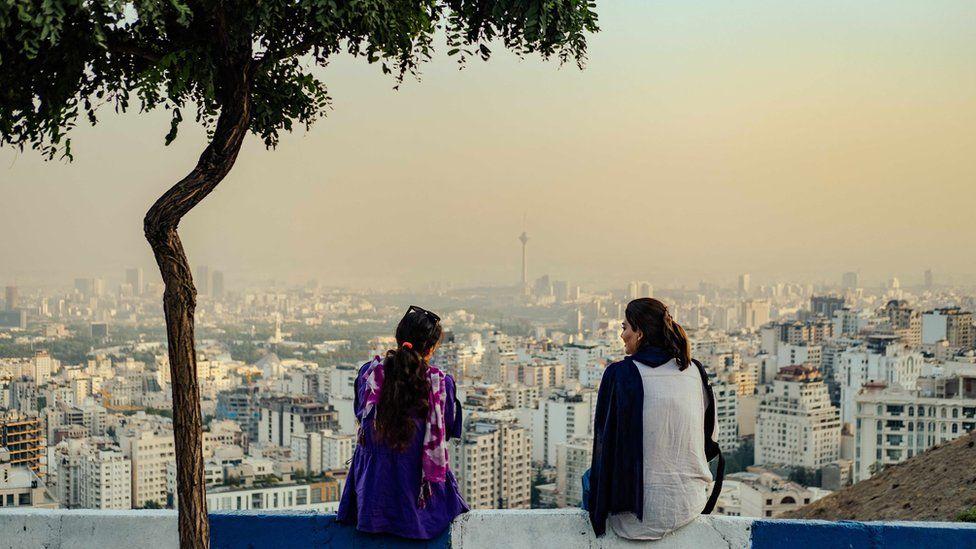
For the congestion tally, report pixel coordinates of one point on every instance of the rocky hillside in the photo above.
(935, 485)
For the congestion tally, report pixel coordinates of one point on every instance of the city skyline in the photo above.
(926, 279)
(776, 152)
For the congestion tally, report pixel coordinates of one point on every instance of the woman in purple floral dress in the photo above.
(399, 481)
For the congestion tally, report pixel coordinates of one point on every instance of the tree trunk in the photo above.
(179, 298)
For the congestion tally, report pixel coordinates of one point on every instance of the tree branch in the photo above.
(116, 44)
(299, 48)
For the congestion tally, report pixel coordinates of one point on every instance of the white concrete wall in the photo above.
(570, 528)
(564, 528)
(561, 529)
(87, 529)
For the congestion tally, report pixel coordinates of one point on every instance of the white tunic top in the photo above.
(676, 475)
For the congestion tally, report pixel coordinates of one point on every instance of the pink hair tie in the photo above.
(407, 345)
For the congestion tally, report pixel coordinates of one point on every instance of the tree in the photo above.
(967, 516)
(801, 476)
(240, 67)
(740, 458)
(536, 496)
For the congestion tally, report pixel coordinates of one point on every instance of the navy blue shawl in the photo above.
(617, 472)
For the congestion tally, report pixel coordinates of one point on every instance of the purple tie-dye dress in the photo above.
(383, 485)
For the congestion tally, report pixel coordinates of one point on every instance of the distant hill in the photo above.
(936, 485)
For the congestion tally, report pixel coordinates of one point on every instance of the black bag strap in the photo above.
(717, 488)
(712, 448)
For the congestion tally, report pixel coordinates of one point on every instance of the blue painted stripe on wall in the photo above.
(256, 530)
(790, 534)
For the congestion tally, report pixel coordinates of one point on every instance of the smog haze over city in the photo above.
(791, 140)
(781, 191)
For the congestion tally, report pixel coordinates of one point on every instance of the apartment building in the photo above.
(879, 361)
(573, 458)
(796, 425)
(559, 418)
(492, 463)
(726, 407)
(22, 434)
(149, 451)
(894, 424)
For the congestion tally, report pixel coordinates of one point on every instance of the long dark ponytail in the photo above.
(405, 383)
(653, 319)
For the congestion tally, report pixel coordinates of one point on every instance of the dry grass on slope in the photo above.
(936, 485)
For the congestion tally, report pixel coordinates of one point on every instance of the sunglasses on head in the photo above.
(425, 312)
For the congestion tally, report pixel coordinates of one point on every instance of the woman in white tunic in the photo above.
(676, 477)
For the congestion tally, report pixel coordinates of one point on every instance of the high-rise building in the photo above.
(218, 284)
(744, 283)
(790, 355)
(573, 458)
(906, 322)
(90, 287)
(645, 289)
(754, 313)
(106, 480)
(951, 324)
(560, 289)
(850, 280)
(243, 406)
(23, 437)
(133, 277)
(850, 322)
(894, 424)
(726, 408)
(559, 418)
(893, 364)
(499, 356)
(10, 298)
(638, 289)
(42, 366)
(796, 425)
(814, 331)
(520, 396)
(84, 286)
(285, 417)
(65, 463)
(493, 464)
(745, 377)
(323, 450)
(577, 356)
(826, 305)
(14, 319)
(337, 450)
(543, 373)
(723, 317)
(202, 280)
(149, 451)
(22, 395)
(929, 279)
(543, 287)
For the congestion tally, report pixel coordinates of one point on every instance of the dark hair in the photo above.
(406, 386)
(651, 318)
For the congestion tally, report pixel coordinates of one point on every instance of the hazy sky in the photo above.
(787, 138)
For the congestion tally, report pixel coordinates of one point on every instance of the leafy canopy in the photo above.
(63, 58)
